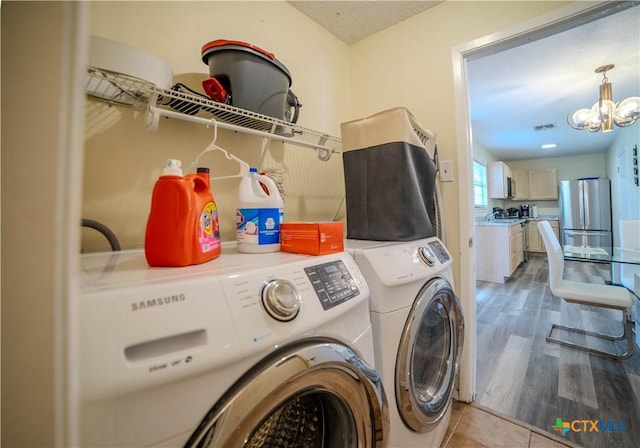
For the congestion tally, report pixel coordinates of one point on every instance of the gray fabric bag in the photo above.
(389, 185)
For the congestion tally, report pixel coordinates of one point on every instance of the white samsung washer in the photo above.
(244, 351)
(418, 330)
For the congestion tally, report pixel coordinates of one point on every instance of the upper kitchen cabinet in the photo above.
(521, 185)
(499, 180)
(543, 184)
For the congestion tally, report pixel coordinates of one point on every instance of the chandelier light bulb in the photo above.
(604, 108)
(582, 117)
(606, 112)
(628, 111)
(595, 121)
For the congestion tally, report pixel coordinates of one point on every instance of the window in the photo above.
(479, 185)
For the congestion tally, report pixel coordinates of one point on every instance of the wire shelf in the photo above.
(182, 103)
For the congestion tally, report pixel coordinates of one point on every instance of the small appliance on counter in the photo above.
(513, 212)
(524, 210)
(534, 211)
(500, 213)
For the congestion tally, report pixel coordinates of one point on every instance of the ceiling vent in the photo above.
(544, 127)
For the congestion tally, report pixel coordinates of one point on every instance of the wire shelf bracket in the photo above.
(123, 90)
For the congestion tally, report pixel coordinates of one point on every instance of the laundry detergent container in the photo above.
(250, 78)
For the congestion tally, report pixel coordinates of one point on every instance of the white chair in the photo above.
(629, 239)
(601, 295)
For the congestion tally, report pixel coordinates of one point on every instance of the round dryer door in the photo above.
(428, 356)
(311, 394)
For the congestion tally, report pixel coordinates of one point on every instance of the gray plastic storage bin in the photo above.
(252, 77)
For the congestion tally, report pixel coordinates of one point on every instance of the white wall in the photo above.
(625, 193)
(567, 168)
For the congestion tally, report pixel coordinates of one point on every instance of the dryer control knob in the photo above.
(426, 256)
(281, 299)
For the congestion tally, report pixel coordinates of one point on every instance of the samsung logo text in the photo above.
(157, 302)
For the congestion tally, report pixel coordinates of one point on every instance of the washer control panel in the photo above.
(438, 249)
(332, 282)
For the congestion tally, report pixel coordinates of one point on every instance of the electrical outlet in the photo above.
(446, 171)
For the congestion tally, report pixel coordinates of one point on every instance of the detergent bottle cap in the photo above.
(172, 167)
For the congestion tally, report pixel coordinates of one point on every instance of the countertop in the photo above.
(508, 222)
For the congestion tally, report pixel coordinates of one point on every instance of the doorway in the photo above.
(559, 20)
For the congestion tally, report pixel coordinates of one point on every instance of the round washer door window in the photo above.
(313, 393)
(428, 356)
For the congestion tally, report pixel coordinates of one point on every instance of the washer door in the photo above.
(311, 394)
(428, 355)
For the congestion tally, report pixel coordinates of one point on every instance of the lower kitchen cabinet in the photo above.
(534, 239)
(516, 247)
(499, 251)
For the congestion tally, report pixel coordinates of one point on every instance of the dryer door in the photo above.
(310, 394)
(428, 356)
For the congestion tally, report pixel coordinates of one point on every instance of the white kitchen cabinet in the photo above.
(521, 184)
(516, 248)
(534, 240)
(499, 251)
(543, 184)
(498, 174)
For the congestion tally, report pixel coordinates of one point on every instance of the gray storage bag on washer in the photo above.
(390, 179)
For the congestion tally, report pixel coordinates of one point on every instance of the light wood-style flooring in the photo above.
(523, 377)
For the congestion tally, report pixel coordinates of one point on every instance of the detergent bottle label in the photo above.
(258, 226)
(208, 228)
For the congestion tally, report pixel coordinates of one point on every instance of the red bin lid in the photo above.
(225, 44)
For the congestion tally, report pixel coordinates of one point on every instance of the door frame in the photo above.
(570, 16)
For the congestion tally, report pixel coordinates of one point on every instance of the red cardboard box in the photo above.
(314, 238)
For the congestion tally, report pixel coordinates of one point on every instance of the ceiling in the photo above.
(351, 21)
(539, 83)
(514, 90)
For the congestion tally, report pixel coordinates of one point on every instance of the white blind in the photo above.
(479, 185)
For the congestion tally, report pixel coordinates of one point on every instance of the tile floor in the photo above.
(474, 427)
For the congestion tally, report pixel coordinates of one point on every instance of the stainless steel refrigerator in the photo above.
(585, 212)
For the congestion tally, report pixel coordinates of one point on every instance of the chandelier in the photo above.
(605, 113)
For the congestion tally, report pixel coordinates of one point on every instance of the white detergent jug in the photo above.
(259, 214)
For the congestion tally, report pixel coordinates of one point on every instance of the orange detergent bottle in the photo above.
(182, 228)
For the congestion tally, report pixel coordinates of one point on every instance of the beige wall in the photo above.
(123, 160)
(410, 64)
(38, 209)
(567, 168)
(41, 155)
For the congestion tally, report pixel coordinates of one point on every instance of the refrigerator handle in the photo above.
(587, 232)
(582, 203)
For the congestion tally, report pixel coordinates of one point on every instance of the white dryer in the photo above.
(418, 329)
(243, 351)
